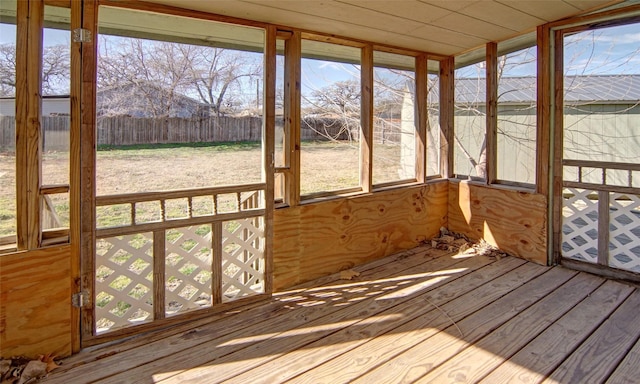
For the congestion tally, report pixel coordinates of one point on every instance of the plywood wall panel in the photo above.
(317, 239)
(514, 221)
(35, 303)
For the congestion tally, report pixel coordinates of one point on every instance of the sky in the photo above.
(614, 50)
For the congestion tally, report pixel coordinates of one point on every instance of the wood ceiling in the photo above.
(446, 27)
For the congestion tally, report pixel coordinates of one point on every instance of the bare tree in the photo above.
(155, 72)
(338, 107)
(214, 72)
(162, 73)
(55, 70)
(7, 70)
(339, 98)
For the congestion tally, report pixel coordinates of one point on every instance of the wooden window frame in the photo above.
(30, 191)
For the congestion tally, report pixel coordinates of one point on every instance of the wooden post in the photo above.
(74, 171)
(603, 227)
(216, 260)
(268, 144)
(292, 74)
(543, 111)
(447, 91)
(492, 112)
(421, 117)
(88, 164)
(366, 119)
(558, 139)
(30, 15)
(159, 257)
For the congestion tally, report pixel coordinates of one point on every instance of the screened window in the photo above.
(602, 102)
(56, 118)
(177, 112)
(7, 124)
(470, 150)
(394, 124)
(517, 85)
(330, 118)
(433, 116)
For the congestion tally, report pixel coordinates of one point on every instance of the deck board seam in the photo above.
(408, 319)
(430, 273)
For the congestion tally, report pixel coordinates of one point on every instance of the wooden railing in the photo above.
(603, 172)
(243, 206)
(212, 254)
(53, 231)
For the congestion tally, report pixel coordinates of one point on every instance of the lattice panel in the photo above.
(188, 269)
(242, 258)
(580, 225)
(124, 281)
(624, 235)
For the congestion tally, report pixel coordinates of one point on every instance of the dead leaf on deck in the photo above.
(49, 359)
(348, 274)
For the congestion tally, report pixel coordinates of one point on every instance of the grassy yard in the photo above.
(325, 166)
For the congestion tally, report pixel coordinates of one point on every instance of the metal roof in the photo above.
(593, 88)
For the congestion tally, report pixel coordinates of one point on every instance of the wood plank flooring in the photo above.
(423, 316)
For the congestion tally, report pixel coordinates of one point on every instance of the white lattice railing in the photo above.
(242, 262)
(188, 269)
(218, 256)
(624, 236)
(580, 225)
(124, 281)
(601, 215)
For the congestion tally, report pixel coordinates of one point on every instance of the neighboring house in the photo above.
(130, 100)
(147, 100)
(601, 119)
(51, 106)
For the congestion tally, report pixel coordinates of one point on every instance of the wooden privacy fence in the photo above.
(126, 130)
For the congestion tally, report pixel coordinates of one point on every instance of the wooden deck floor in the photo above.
(419, 316)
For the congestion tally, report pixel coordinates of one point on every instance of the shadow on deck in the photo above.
(422, 315)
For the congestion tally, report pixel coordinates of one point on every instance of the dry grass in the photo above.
(325, 166)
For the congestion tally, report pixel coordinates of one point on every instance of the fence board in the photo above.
(127, 130)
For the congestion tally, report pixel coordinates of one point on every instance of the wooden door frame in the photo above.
(551, 70)
(86, 180)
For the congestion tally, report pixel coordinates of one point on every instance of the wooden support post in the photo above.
(558, 140)
(74, 174)
(422, 117)
(30, 15)
(159, 250)
(366, 120)
(292, 74)
(492, 113)
(447, 90)
(216, 263)
(88, 164)
(603, 227)
(543, 126)
(268, 143)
